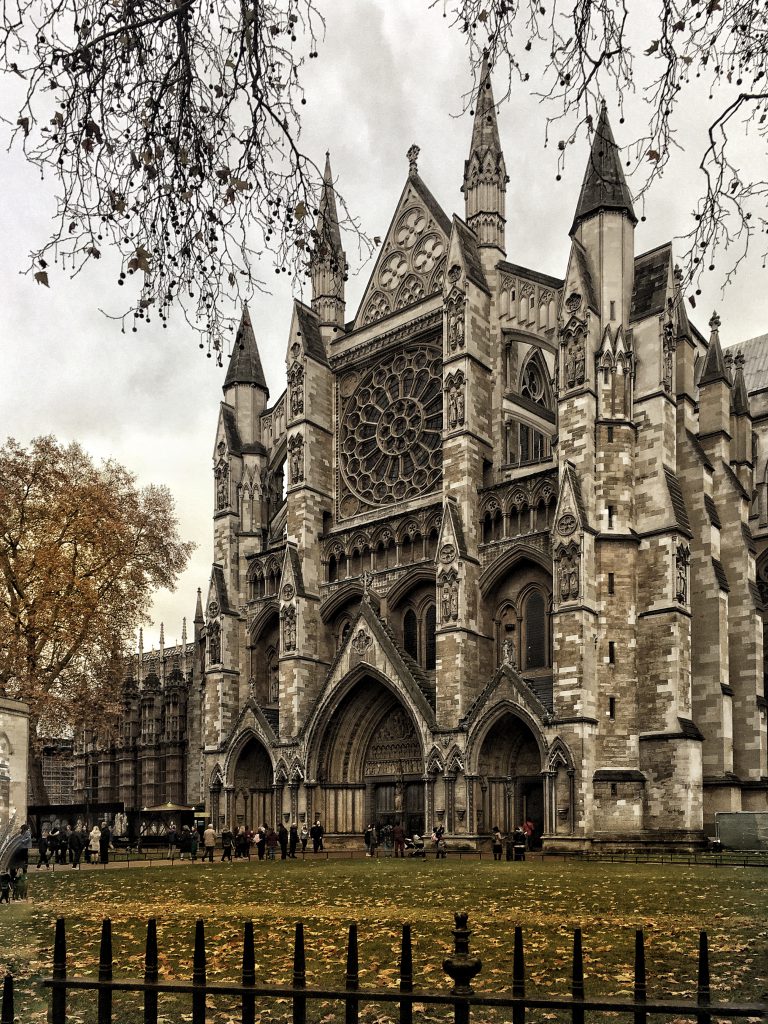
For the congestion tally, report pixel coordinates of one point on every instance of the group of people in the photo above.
(394, 839)
(68, 845)
(517, 843)
(13, 885)
(237, 845)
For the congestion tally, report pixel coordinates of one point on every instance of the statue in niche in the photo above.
(508, 646)
(454, 601)
(575, 360)
(453, 412)
(296, 458)
(289, 629)
(568, 574)
(455, 320)
(222, 485)
(297, 391)
(399, 790)
(682, 560)
(668, 349)
(446, 602)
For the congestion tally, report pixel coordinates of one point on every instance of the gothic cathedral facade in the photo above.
(494, 554)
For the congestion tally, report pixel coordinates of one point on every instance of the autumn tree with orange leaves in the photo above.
(82, 549)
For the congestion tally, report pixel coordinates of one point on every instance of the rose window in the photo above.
(411, 225)
(389, 442)
(394, 270)
(427, 254)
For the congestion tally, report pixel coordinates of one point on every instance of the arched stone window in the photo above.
(430, 640)
(411, 634)
(333, 570)
(535, 630)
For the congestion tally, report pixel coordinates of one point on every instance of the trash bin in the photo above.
(519, 851)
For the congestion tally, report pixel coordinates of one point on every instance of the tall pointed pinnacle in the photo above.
(140, 658)
(714, 368)
(604, 186)
(739, 396)
(328, 262)
(328, 218)
(485, 173)
(199, 607)
(184, 647)
(245, 362)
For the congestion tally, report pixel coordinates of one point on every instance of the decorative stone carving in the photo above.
(566, 524)
(682, 561)
(447, 553)
(213, 609)
(288, 591)
(454, 387)
(361, 641)
(391, 430)
(288, 616)
(508, 650)
(296, 458)
(574, 357)
(455, 306)
(448, 584)
(568, 559)
(214, 644)
(573, 303)
(221, 474)
(296, 389)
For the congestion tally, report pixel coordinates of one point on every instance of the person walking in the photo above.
(282, 838)
(293, 840)
(209, 842)
(173, 838)
(94, 842)
(304, 837)
(105, 837)
(261, 840)
(437, 839)
(42, 851)
(371, 841)
(194, 842)
(25, 845)
(398, 837)
(226, 842)
(497, 843)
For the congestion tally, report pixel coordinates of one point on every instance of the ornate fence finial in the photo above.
(461, 967)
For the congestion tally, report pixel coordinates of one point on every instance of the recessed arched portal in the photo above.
(252, 780)
(371, 764)
(511, 784)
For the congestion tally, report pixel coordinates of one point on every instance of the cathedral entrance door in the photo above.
(400, 801)
(253, 795)
(372, 765)
(511, 785)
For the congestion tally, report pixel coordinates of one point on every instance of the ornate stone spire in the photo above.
(245, 361)
(714, 368)
(739, 396)
(140, 658)
(604, 186)
(199, 607)
(328, 262)
(184, 647)
(485, 173)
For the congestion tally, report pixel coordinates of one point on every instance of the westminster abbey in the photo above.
(499, 550)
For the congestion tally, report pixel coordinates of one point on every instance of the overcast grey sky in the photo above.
(390, 73)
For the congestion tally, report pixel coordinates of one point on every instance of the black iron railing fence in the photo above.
(462, 967)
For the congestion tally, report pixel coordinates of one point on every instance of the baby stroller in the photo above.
(415, 846)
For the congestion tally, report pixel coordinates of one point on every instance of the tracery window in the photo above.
(430, 638)
(536, 631)
(526, 445)
(532, 384)
(420, 635)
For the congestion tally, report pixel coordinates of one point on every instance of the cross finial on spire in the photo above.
(413, 156)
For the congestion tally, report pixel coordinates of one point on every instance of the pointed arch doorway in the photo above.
(253, 793)
(371, 762)
(510, 779)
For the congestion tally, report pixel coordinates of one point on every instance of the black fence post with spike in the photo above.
(577, 983)
(406, 975)
(150, 973)
(59, 993)
(518, 977)
(299, 975)
(351, 980)
(105, 973)
(198, 974)
(640, 991)
(6, 1013)
(249, 975)
(702, 987)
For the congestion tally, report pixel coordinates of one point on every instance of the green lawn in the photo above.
(548, 898)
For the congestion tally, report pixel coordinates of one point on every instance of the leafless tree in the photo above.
(583, 50)
(173, 128)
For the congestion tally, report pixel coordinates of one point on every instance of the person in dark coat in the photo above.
(261, 840)
(42, 849)
(271, 843)
(282, 838)
(75, 848)
(185, 844)
(105, 838)
(316, 834)
(293, 840)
